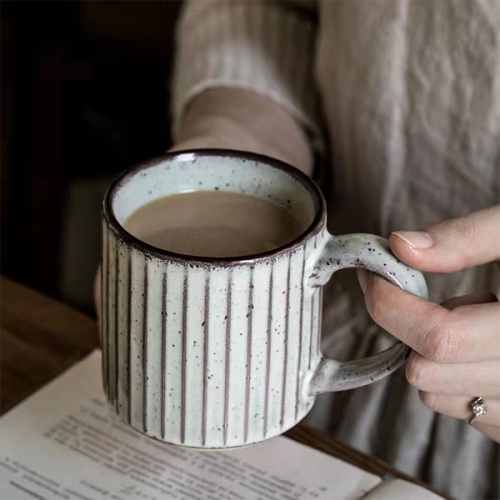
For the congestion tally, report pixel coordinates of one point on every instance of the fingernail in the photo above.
(419, 240)
(363, 279)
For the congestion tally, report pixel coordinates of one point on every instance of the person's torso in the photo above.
(411, 96)
(411, 92)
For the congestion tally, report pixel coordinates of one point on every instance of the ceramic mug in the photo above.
(222, 353)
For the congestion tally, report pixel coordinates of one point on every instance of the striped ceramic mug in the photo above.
(221, 353)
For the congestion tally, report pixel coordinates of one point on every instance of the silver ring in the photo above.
(478, 408)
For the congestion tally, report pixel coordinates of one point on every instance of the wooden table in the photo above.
(42, 337)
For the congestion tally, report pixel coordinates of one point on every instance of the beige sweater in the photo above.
(408, 96)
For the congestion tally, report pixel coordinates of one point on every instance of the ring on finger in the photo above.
(478, 409)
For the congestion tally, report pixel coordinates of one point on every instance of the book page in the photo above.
(64, 443)
(396, 489)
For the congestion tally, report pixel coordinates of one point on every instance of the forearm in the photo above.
(243, 120)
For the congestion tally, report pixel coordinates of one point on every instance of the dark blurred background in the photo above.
(85, 94)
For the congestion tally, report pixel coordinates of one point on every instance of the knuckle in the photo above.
(435, 345)
(463, 231)
(441, 342)
(466, 228)
(417, 372)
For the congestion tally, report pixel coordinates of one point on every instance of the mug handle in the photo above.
(372, 253)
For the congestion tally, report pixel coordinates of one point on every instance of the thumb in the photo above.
(452, 245)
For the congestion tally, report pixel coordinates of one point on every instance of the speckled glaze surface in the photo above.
(222, 353)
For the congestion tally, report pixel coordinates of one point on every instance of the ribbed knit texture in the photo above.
(266, 47)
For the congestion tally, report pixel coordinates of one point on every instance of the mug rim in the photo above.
(131, 240)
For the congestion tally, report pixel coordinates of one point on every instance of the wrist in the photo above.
(244, 121)
(220, 133)
(215, 131)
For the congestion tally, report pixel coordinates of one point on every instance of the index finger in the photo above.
(438, 334)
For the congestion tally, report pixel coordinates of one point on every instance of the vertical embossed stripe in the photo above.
(163, 351)
(249, 352)
(104, 307)
(184, 353)
(285, 333)
(145, 349)
(228, 355)
(311, 328)
(301, 332)
(269, 334)
(311, 331)
(129, 335)
(117, 356)
(206, 339)
(109, 320)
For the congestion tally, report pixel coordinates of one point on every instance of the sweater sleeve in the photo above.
(265, 46)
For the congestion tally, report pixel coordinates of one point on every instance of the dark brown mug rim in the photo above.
(126, 237)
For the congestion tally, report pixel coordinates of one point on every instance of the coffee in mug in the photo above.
(214, 224)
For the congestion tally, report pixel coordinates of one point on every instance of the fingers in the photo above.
(452, 245)
(464, 334)
(460, 407)
(460, 379)
(492, 431)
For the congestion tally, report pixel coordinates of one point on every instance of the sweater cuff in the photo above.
(264, 47)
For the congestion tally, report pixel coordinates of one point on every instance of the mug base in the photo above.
(279, 432)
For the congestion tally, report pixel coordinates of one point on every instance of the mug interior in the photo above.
(212, 170)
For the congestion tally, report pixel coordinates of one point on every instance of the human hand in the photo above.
(456, 356)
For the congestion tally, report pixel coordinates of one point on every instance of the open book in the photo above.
(64, 443)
